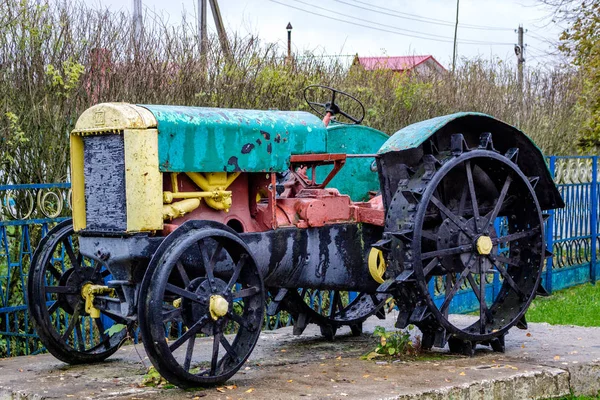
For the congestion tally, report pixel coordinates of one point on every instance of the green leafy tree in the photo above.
(581, 43)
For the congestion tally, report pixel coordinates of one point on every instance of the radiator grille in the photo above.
(104, 177)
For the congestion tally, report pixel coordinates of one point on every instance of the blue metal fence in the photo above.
(27, 212)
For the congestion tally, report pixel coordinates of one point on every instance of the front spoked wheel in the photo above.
(202, 307)
(57, 276)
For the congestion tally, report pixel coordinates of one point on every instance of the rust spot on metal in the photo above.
(266, 135)
(247, 148)
(269, 148)
(277, 138)
(258, 141)
(233, 160)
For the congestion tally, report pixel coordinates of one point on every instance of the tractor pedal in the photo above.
(459, 346)
(405, 235)
(390, 284)
(300, 324)
(522, 324)
(275, 305)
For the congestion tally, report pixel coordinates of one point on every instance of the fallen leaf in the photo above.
(366, 376)
(343, 394)
(290, 380)
(447, 380)
(283, 350)
(523, 346)
(250, 390)
(70, 395)
(557, 357)
(338, 358)
(220, 390)
(231, 387)
(528, 334)
(462, 374)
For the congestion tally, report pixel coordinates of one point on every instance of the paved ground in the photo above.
(542, 362)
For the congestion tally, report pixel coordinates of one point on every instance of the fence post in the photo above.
(593, 219)
(550, 232)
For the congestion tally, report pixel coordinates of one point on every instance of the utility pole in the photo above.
(520, 52)
(202, 33)
(455, 34)
(137, 21)
(214, 6)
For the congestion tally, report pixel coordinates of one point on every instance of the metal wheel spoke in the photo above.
(188, 353)
(463, 201)
(236, 272)
(55, 273)
(238, 319)
(171, 315)
(103, 336)
(229, 349)
(74, 260)
(499, 202)
(169, 287)
(192, 331)
(507, 278)
(53, 307)
(183, 274)
(215, 353)
(447, 252)
(461, 225)
(484, 312)
(208, 267)
(472, 193)
(449, 296)
(429, 235)
(507, 260)
(79, 336)
(515, 236)
(61, 289)
(429, 267)
(251, 291)
(72, 323)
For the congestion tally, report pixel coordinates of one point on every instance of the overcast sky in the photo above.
(487, 28)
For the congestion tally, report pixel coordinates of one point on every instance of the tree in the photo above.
(581, 42)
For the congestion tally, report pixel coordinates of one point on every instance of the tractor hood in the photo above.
(216, 139)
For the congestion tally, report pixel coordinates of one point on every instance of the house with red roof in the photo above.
(424, 65)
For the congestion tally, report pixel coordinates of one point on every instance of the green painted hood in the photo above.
(200, 139)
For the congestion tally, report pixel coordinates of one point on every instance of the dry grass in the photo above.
(58, 58)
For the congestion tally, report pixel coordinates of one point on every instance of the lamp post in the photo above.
(289, 31)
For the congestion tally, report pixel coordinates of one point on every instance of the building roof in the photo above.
(400, 63)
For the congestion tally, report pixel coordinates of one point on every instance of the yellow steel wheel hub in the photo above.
(218, 306)
(376, 264)
(484, 245)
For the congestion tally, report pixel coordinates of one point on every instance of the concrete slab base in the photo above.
(543, 362)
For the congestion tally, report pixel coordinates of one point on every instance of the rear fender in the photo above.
(407, 147)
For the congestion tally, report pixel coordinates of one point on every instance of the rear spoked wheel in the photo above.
(455, 204)
(201, 307)
(331, 309)
(57, 276)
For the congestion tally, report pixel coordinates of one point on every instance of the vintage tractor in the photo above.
(190, 220)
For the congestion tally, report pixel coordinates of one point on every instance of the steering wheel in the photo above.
(331, 107)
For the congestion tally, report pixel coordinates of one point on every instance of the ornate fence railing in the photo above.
(28, 211)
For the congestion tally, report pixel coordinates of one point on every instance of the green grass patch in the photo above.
(578, 305)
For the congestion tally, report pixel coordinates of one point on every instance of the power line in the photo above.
(413, 34)
(414, 17)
